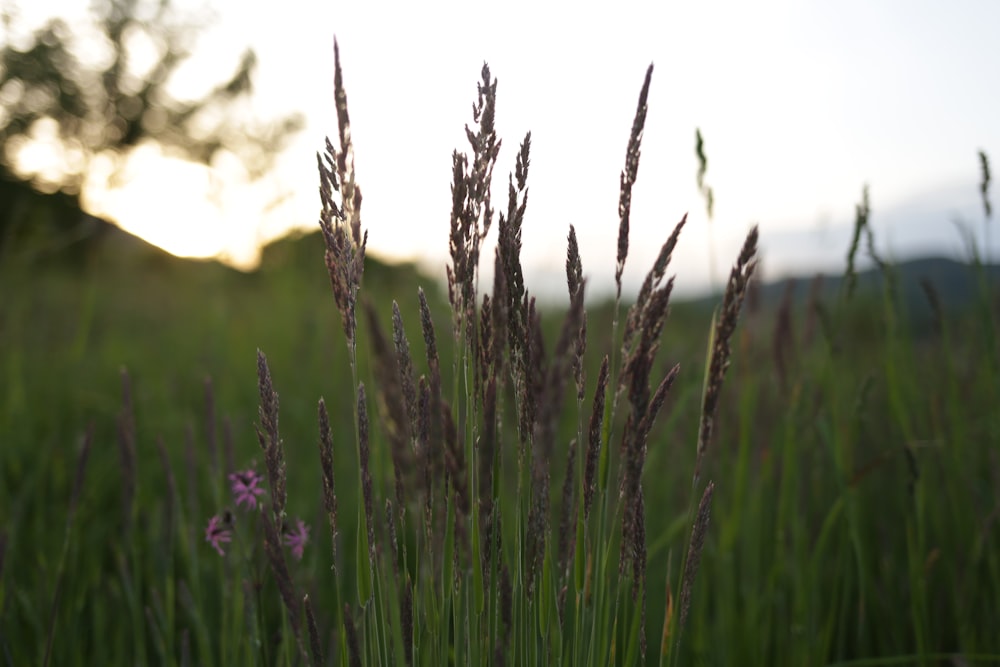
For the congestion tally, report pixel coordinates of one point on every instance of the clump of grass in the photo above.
(499, 573)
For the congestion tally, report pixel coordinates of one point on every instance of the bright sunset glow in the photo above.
(800, 105)
(184, 208)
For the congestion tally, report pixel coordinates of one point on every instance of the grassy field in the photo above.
(854, 464)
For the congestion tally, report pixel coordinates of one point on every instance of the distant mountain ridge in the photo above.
(39, 228)
(955, 282)
(53, 230)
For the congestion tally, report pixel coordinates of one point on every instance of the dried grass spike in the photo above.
(364, 454)
(651, 283)
(693, 558)
(390, 523)
(567, 534)
(594, 438)
(391, 403)
(353, 646)
(406, 619)
(405, 363)
(574, 267)
(341, 225)
(860, 223)
(329, 483)
(279, 567)
(314, 644)
(270, 442)
(628, 176)
(725, 325)
(984, 185)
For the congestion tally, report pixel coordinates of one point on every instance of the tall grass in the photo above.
(496, 485)
(498, 574)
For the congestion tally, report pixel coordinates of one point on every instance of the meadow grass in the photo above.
(485, 483)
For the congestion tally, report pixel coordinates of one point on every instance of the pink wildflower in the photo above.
(297, 537)
(246, 487)
(219, 531)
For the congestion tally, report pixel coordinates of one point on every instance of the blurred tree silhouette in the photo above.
(100, 89)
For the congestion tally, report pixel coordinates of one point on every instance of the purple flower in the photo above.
(246, 487)
(297, 537)
(219, 531)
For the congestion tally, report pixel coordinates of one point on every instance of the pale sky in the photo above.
(800, 104)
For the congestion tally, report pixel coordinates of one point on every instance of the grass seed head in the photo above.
(353, 646)
(364, 455)
(270, 441)
(406, 619)
(315, 647)
(594, 438)
(860, 222)
(326, 467)
(628, 176)
(984, 184)
(650, 284)
(567, 534)
(725, 325)
(341, 224)
(391, 401)
(405, 363)
(279, 567)
(693, 557)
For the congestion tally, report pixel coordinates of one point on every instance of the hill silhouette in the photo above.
(50, 230)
